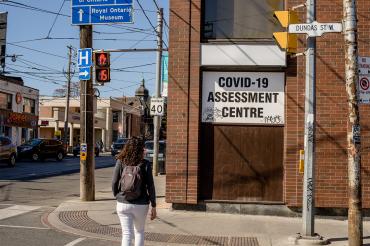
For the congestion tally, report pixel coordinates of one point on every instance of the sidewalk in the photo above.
(98, 220)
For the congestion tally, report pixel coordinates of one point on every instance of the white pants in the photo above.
(132, 218)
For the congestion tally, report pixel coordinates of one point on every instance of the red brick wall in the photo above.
(183, 102)
(331, 151)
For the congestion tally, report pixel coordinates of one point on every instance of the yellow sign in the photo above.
(58, 133)
(301, 161)
(83, 152)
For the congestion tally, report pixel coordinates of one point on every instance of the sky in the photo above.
(39, 37)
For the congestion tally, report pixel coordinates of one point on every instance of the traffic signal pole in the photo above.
(158, 91)
(87, 167)
(308, 211)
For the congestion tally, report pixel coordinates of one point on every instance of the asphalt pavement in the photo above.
(29, 170)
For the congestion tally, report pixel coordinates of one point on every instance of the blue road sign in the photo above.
(86, 12)
(84, 73)
(81, 15)
(99, 2)
(84, 57)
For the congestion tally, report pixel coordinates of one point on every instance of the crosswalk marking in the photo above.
(16, 210)
(24, 227)
(75, 242)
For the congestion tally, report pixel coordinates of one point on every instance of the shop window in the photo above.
(240, 19)
(5, 100)
(5, 131)
(115, 115)
(114, 135)
(29, 106)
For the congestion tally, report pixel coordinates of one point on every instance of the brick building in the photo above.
(239, 155)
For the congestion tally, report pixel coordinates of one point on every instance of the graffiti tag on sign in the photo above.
(356, 131)
(273, 119)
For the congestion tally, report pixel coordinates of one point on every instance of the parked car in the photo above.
(8, 151)
(39, 149)
(76, 151)
(118, 146)
(149, 152)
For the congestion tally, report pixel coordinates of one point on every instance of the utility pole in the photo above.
(87, 167)
(158, 90)
(355, 229)
(68, 92)
(308, 210)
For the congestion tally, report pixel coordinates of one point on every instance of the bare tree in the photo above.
(62, 92)
(355, 228)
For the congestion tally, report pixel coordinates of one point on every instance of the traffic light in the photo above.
(102, 67)
(285, 40)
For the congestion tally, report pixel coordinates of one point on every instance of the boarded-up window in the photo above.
(240, 19)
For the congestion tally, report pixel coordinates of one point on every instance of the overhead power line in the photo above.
(27, 62)
(29, 7)
(56, 17)
(71, 38)
(39, 51)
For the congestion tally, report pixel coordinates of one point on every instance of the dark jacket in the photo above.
(147, 186)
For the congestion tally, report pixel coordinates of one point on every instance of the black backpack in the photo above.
(131, 181)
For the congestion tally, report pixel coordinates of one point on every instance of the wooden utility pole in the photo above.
(353, 125)
(68, 92)
(87, 167)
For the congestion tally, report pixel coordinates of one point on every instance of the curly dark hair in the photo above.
(132, 152)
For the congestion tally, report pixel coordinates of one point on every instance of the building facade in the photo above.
(18, 109)
(236, 106)
(113, 119)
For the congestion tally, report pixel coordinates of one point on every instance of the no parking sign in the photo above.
(364, 89)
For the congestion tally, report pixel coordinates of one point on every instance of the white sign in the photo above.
(156, 106)
(364, 65)
(364, 89)
(315, 29)
(243, 97)
(84, 57)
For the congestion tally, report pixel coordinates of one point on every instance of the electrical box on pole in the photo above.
(102, 67)
(285, 40)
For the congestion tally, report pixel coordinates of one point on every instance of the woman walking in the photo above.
(133, 187)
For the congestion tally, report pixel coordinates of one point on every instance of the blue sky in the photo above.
(43, 52)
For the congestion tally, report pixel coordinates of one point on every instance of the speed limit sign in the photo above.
(156, 106)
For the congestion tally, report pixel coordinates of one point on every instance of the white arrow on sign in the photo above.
(84, 73)
(81, 12)
(315, 29)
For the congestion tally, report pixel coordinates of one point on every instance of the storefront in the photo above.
(12, 123)
(236, 108)
(18, 110)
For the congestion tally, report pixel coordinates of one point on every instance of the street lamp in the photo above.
(143, 94)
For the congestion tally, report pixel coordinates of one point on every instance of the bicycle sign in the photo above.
(156, 106)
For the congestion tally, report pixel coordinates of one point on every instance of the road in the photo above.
(32, 189)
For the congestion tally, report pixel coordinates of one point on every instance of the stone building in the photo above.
(113, 119)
